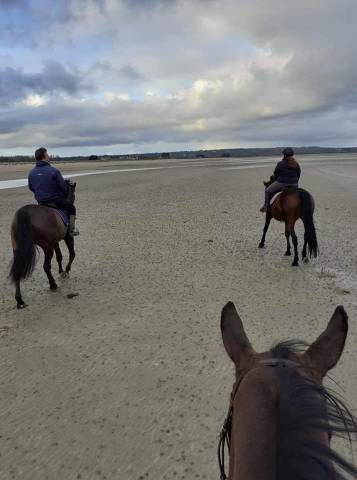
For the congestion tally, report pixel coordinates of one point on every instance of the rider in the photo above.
(49, 187)
(286, 174)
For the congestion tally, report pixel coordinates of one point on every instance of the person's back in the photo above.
(47, 183)
(287, 171)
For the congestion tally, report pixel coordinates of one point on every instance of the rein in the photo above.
(225, 435)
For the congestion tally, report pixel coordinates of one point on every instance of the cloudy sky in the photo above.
(122, 76)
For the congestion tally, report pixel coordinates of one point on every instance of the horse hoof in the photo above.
(21, 306)
(64, 274)
(305, 260)
(261, 245)
(295, 264)
(53, 287)
(287, 254)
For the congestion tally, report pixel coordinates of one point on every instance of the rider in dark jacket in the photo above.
(286, 174)
(49, 187)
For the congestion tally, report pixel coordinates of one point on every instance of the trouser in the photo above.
(68, 208)
(71, 210)
(62, 205)
(276, 187)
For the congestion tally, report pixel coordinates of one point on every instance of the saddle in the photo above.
(62, 213)
(288, 188)
(48, 204)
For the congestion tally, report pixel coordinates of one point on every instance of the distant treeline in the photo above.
(220, 153)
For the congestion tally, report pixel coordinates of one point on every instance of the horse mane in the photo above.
(306, 406)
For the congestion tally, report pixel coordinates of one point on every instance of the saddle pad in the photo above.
(275, 196)
(64, 216)
(62, 213)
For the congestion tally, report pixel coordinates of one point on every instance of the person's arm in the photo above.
(276, 171)
(62, 186)
(298, 171)
(29, 183)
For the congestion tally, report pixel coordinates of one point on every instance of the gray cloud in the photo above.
(15, 84)
(145, 4)
(130, 72)
(122, 123)
(12, 3)
(127, 71)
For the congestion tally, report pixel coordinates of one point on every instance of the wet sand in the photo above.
(129, 379)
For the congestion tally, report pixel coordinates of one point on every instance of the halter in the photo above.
(225, 435)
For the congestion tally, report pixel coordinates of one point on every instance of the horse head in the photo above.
(71, 188)
(278, 398)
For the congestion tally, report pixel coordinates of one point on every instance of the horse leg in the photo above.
(18, 296)
(287, 235)
(304, 250)
(59, 258)
(70, 245)
(295, 243)
(268, 218)
(47, 267)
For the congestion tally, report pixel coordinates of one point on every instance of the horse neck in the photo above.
(69, 196)
(254, 436)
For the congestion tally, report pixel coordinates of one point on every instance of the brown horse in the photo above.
(43, 226)
(281, 418)
(291, 205)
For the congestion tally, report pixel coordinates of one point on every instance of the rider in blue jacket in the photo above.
(286, 174)
(49, 187)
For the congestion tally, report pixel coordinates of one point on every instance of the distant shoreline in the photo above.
(187, 155)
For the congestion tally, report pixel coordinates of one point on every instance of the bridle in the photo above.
(225, 435)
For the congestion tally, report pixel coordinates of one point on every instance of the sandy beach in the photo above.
(129, 380)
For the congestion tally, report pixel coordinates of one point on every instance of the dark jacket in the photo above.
(285, 174)
(47, 183)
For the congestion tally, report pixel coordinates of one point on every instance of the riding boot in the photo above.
(266, 203)
(72, 226)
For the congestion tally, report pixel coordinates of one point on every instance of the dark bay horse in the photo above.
(291, 205)
(43, 226)
(281, 418)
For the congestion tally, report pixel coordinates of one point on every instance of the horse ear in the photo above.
(326, 351)
(234, 337)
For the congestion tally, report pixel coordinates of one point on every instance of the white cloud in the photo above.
(110, 96)
(35, 100)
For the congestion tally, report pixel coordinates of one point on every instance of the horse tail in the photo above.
(24, 259)
(307, 206)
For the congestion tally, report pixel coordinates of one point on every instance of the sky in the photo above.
(123, 76)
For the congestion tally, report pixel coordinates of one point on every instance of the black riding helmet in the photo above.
(288, 152)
